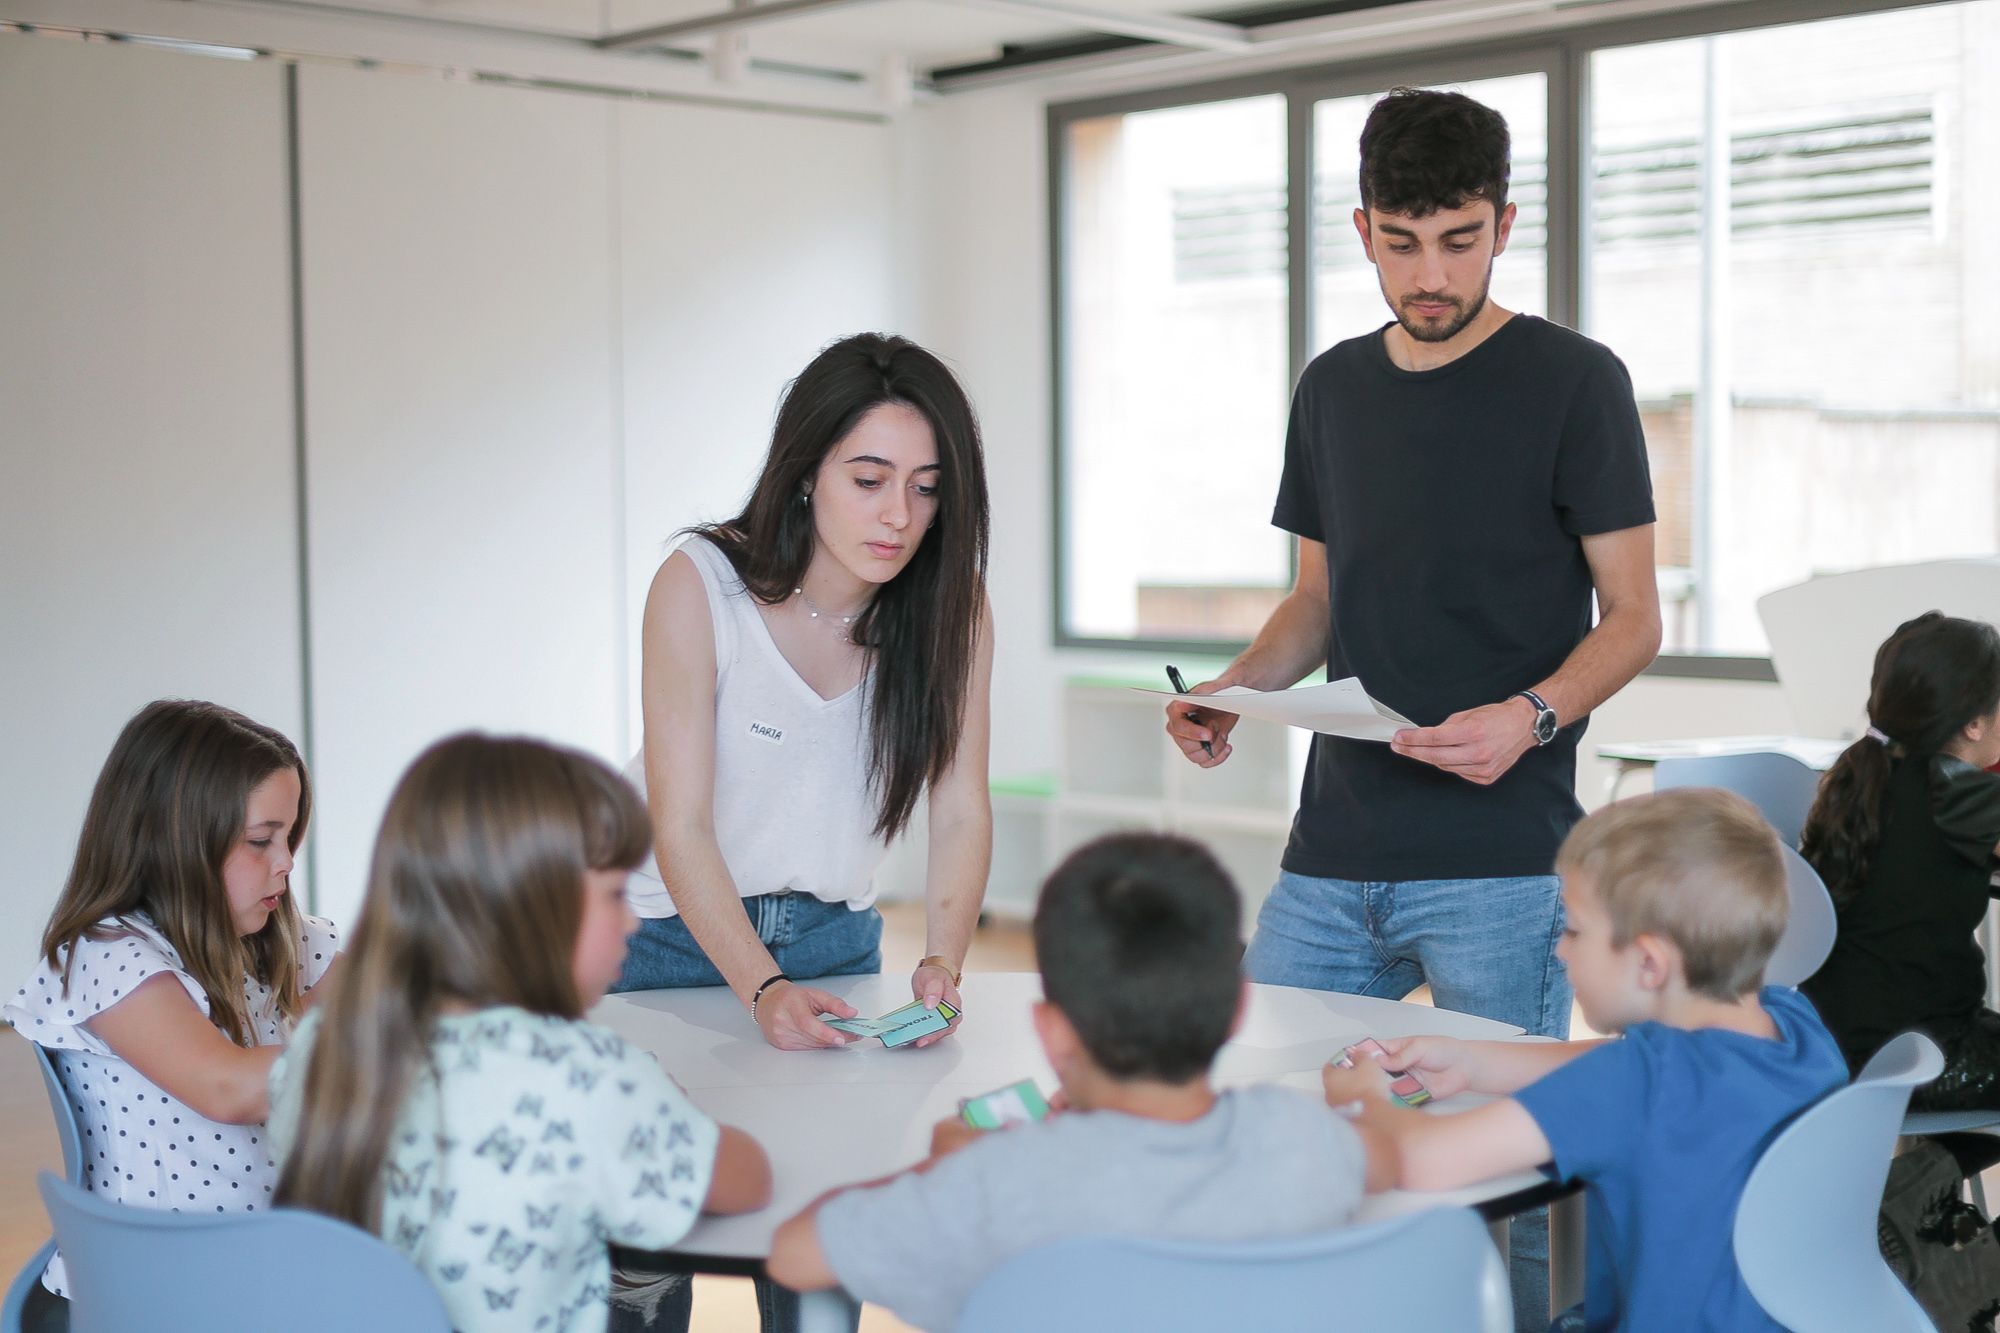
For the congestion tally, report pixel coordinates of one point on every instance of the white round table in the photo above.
(834, 1117)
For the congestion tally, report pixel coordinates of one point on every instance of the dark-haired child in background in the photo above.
(1904, 832)
(1140, 957)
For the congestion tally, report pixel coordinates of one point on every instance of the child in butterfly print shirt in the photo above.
(451, 1096)
(539, 1139)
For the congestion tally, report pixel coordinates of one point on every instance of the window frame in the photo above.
(1562, 56)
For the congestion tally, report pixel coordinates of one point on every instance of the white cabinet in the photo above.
(1120, 771)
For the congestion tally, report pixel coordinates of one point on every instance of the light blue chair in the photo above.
(1805, 1228)
(1436, 1269)
(1781, 787)
(1809, 925)
(72, 1154)
(67, 1132)
(146, 1270)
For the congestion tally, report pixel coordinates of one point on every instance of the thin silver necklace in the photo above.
(840, 625)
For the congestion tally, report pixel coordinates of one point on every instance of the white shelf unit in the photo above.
(1119, 771)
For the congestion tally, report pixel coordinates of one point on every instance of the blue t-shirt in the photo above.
(1662, 1127)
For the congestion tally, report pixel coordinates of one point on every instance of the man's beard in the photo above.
(1463, 313)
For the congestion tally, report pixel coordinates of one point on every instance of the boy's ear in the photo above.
(1059, 1040)
(1659, 961)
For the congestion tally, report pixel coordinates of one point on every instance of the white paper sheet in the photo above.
(1337, 708)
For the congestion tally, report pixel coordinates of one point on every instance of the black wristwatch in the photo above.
(1545, 716)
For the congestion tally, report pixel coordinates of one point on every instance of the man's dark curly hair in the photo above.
(1423, 151)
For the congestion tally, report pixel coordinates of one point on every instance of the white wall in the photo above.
(542, 330)
(462, 458)
(734, 276)
(146, 477)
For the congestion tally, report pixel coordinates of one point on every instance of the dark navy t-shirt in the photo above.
(1452, 503)
(1662, 1127)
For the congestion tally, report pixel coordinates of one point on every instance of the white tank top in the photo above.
(792, 806)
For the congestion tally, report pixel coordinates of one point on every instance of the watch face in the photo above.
(1545, 726)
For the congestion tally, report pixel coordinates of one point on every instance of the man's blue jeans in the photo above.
(1485, 946)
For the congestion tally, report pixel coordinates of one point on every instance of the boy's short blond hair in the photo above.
(1695, 865)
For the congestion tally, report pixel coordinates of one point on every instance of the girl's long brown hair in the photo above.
(1932, 677)
(474, 896)
(922, 627)
(168, 807)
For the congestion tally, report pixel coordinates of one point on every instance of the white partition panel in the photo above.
(461, 447)
(146, 450)
(749, 241)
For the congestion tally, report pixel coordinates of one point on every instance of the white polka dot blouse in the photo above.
(140, 1146)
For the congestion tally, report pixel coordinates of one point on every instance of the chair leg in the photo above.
(1566, 1250)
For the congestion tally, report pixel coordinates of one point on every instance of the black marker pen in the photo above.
(1180, 687)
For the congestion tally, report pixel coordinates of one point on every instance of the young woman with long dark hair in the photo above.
(1905, 831)
(813, 668)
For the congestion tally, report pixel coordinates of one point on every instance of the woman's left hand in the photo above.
(932, 984)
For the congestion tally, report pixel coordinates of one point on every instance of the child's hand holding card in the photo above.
(951, 1134)
(1016, 1104)
(1405, 1087)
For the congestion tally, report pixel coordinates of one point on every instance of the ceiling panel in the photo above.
(855, 35)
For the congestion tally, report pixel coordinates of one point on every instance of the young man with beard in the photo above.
(1460, 482)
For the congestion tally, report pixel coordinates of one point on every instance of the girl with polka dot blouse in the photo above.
(176, 962)
(450, 1095)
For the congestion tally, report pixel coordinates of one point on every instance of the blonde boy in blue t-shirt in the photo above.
(1674, 903)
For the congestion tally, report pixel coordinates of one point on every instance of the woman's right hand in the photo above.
(788, 1016)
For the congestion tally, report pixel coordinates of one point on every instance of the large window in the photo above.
(1779, 230)
(1176, 297)
(1788, 247)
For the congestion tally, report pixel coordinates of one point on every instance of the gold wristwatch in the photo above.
(939, 960)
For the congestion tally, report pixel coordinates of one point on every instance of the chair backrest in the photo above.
(64, 1113)
(1824, 632)
(146, 1270)
(65, 1116)
(1805, 1228)
(1809, 925)
(1781, 787)
(1433, 1269)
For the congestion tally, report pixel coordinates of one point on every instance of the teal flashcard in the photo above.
(1016, 1104)
(898, 1026)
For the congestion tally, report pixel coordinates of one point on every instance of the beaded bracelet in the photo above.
(758, 994)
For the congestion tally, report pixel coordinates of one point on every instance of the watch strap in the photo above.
(1542, 711)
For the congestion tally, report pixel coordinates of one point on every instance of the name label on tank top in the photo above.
(764, 731)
